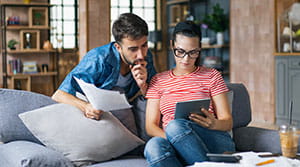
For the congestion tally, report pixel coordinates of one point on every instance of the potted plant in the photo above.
(218, 22)
(12, 44)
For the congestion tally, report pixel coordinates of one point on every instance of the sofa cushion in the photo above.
(65, 128)
(241, 108)
(139, 111)
(12, 103)
(28, 154)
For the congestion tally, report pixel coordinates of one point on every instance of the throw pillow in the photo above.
(65, 129)
(125, 116)
(28, 154)
(12, 103)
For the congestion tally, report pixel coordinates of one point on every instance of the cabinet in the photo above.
(29, 66)
(180, 10)
(287, 88)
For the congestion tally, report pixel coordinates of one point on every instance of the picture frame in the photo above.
(38, 17)
(30, 40)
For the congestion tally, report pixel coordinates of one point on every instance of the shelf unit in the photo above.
(196, 8)
(287, 65)
(47, 80)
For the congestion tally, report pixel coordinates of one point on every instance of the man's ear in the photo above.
(118, 47)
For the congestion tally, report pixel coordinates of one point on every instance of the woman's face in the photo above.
(186, 51)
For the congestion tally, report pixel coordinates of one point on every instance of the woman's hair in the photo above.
(129, 25)
(189, 29)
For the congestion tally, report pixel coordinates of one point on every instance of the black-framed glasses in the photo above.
(180, 53)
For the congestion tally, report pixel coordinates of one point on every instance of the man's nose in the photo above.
(140, 54)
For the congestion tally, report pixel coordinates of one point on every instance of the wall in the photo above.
(94, 24)
(251, 54)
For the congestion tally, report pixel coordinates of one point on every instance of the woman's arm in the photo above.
(223, 121)
(153, 118)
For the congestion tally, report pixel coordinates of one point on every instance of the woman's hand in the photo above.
(207, 122)
(91, 112)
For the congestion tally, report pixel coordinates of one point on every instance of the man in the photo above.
(125, 64)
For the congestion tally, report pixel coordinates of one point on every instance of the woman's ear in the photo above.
(171, 44)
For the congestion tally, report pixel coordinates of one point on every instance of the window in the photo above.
(63, 22)
(146, 9)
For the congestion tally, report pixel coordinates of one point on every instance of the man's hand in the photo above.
(139, 73)
(92, 113)
(207, 122)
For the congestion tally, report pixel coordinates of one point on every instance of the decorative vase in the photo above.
(220, 38)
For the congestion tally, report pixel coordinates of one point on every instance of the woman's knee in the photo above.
(178, 127)
(157, 146)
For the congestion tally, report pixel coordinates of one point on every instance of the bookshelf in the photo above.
(28, 24)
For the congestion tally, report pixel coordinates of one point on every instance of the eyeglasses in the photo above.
(180, 53)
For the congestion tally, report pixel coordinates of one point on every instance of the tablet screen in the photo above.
(183, 109)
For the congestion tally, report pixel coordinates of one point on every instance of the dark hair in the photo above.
(189, 29)
(129, 25)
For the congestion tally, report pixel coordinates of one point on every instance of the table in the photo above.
(250, 159)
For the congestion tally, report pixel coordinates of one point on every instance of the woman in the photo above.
(180, 142)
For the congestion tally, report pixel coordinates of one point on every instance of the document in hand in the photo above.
(102, 99)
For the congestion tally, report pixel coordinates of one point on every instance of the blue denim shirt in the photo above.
(101, 67)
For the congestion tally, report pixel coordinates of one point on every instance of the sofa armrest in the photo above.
(256, 139)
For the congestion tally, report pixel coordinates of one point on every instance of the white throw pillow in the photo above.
(64, 128)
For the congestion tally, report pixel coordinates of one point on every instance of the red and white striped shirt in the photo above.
(203, 83)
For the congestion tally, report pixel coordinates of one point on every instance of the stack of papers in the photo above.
(101, 99)
(250, 159)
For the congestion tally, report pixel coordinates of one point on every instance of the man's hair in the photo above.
(129, 25)
(189, 29)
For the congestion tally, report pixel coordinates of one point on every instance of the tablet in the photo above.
(183, 109)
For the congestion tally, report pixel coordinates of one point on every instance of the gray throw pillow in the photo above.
(12, 103)
(64, 128)
(28, 154)
(125, 116)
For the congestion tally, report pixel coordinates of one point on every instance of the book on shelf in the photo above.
(14, 66)
(29, 67)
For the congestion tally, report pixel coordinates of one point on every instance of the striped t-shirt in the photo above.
(203, 83)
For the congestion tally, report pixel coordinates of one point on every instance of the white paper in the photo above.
(250, 159)
(102, 99)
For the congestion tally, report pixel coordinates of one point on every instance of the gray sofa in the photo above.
(23, 149)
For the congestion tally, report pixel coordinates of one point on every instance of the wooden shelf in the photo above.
(287, 54)
(214, 46)
(24, 4)
(34, 74)
(30, 51)
(176, 1)
(20, 27)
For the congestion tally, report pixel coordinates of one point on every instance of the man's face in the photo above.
(133, 51)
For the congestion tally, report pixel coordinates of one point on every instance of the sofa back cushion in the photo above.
(12, 103)
(241, 108)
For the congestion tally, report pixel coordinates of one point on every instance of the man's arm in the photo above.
(88, 110)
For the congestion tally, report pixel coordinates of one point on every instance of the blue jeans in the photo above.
(186, 143)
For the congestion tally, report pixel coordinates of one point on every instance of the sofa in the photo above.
(21, 148)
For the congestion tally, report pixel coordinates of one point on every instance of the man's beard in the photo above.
(133, 63)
